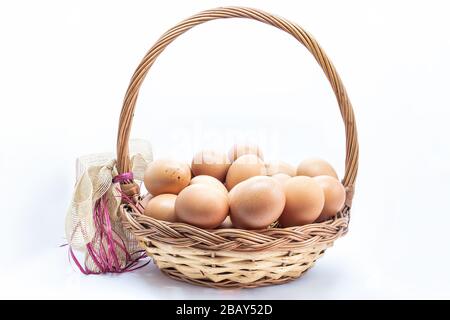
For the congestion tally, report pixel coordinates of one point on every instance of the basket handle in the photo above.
(129, 103)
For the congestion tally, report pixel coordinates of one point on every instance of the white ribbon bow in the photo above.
(94, 180)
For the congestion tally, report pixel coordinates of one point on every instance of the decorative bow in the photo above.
(92, 222)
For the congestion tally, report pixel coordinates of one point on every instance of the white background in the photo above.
(64, 69)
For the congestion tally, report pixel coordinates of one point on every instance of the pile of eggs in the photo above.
(240, 190)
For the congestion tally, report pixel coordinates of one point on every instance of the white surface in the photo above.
(64, 70)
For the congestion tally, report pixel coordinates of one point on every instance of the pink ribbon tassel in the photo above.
(106, 246)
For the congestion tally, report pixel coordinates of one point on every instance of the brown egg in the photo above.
(244, 167)
(274, 168)
(211, 163)
(226, 224)
(256, 203)
(334, 193)
(162, 207)
(201, 206)
(304, 201)
(210, 181)
(313, 167)
(281, 177)
(239, 150)
(166, 176)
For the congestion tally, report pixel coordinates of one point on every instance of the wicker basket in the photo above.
(228, 258)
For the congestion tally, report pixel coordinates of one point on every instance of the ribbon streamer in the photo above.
(92, 222)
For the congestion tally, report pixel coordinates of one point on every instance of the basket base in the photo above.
(228, 284)
(232, 269)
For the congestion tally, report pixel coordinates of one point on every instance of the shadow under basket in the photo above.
(230, 258)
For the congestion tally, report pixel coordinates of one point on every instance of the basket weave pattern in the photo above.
(233, 257)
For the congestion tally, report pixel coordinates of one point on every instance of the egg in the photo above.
(201, 206)
(281, 177)
(256, 203)
(210, 181)
(334, 193)
(211, 163)
(304, 201)
(226, 224)
(244, 167)
(280, 167)
(313, 167)
(239, 150)
(166, 176)
(162, 207)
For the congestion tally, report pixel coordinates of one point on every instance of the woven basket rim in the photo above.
(178, 234)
